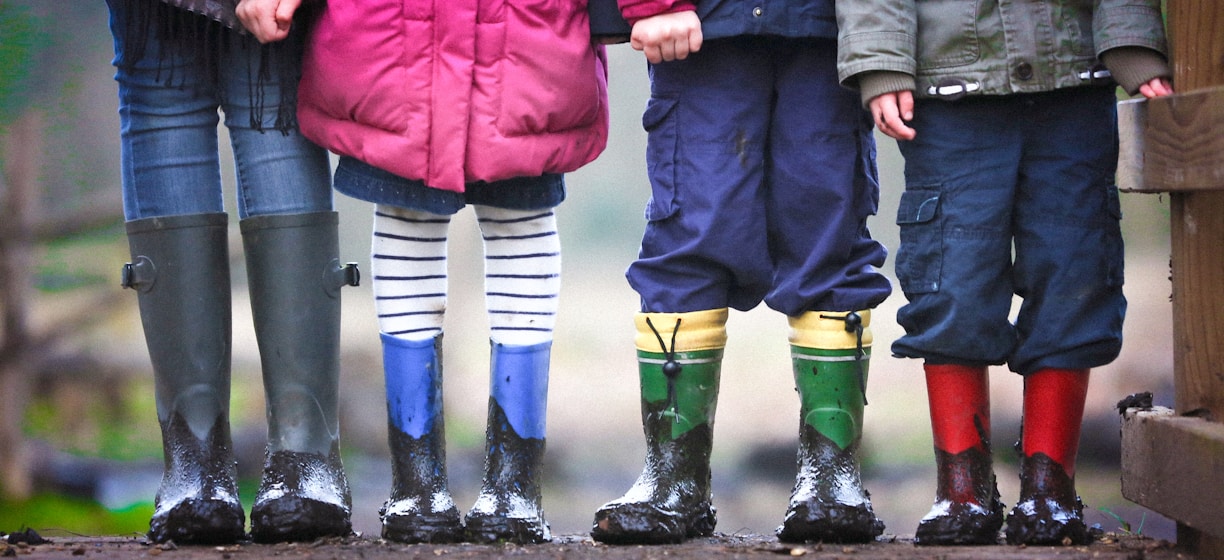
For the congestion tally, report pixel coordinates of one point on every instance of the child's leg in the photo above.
(679, 367)
(955, 266)
(956, 217)
(830, 354)
(409, 274)
(1069, 259)
(706, 245)
(821, 189)
(1049, 512)
(408, 264)
(705, 250)
(522, 273)
(522, 285)
(1069, 269)
(967, 509)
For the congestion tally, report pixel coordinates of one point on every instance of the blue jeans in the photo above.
(762, 171)
(1012, 195)
(168, 110)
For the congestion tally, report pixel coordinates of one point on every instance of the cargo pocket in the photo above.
(920, 258)
(660, 124)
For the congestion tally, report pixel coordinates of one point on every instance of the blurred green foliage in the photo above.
(100, 429)
(20, 33)
(53, 515)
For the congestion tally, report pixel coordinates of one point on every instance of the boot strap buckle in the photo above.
(138, 274)
(340, 275)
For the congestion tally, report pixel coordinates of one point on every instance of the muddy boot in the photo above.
(508, 508)
(180, 269)
(1049, 512)
(420, 509)
(830, 353)
(679, 362)
(967, 509)
(295, 280)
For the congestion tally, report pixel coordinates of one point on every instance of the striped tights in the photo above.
(522, 272)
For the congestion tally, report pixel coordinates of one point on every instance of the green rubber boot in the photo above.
(830, 352)
(180, 271)
(670, 501)
(295, 280)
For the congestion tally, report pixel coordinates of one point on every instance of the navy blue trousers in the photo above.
(1006, 196)
(762, 171)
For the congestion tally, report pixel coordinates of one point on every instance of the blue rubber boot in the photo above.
(420, 509)
(509, 506)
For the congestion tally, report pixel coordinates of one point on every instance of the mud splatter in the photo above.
(509, 507)
(828, 503)
(198, 498)
(302, 497)
(670, 501)
(420, 509)
(1049, 512)
(967, 508)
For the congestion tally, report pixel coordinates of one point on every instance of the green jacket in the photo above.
(950, 48)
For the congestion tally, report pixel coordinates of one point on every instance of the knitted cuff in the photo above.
(876, 83)
(1134, 66)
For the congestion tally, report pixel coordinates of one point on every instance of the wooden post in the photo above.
(1197, 53)
(21, 149)
(1165, 454)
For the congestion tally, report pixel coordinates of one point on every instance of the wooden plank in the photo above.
(1132, 136)
(1171, 464)
(1180, 141)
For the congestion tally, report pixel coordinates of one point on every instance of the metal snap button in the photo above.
(1024, 71)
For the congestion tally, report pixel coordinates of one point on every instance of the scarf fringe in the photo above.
(206, 41)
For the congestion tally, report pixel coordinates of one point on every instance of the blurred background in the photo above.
(80, 451)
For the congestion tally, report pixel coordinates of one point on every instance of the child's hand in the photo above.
(891, 111)
(267, 20)
(1157, 87)
(667, 36)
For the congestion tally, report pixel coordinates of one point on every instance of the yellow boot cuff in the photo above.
(698, 330)
(826, 330)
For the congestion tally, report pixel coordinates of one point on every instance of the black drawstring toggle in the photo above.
(671, 368)
(854, 324)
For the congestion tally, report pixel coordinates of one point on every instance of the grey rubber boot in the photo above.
(295, 280)
(180, 271)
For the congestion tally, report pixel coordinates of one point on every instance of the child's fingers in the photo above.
(284, 13)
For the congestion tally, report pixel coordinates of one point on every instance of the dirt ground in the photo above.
(1109, 547)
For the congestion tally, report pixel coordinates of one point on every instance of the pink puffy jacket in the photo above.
(454, 91)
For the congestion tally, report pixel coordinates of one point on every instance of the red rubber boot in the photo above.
(1049, 512)
(967, 509)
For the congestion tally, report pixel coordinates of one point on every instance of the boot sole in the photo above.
(298, 519)
(199, 521)
(418, 529)
(646, 524)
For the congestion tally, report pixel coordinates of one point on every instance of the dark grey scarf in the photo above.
(204, 29)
